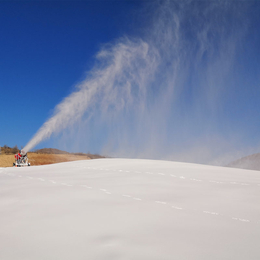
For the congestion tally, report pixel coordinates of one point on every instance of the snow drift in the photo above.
(129, 209)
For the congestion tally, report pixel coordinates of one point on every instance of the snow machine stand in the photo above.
(21, 159)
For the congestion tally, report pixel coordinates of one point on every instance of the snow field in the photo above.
(129, 209)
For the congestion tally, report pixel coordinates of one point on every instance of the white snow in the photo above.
(129, 209)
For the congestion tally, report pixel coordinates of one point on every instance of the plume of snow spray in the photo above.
(123, 68)
(162, 91)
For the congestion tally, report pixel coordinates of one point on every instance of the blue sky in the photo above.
(200, 105)
(46, 47)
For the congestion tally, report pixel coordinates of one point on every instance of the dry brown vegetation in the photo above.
(42, 159)
(8, 150)
(6, 160)
(44, 156)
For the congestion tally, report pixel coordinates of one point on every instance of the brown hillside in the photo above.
(43, 156)
(6, 160)
(57, 151)
(42, 159)
(8, 150)
(50, 151)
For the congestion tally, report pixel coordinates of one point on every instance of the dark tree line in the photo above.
(9, 150)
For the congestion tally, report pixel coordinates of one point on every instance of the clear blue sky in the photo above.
(46, 47)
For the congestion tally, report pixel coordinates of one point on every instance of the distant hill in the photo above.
(50, 151)
(251, 162)
(57, 151)
(9, 150)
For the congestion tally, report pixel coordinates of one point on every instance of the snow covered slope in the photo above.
(129, 209)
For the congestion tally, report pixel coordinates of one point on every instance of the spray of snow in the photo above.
(159, 94)
(123, 68)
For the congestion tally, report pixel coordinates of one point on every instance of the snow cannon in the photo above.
(21, 159)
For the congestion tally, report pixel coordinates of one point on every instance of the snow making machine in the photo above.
(21, 159)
